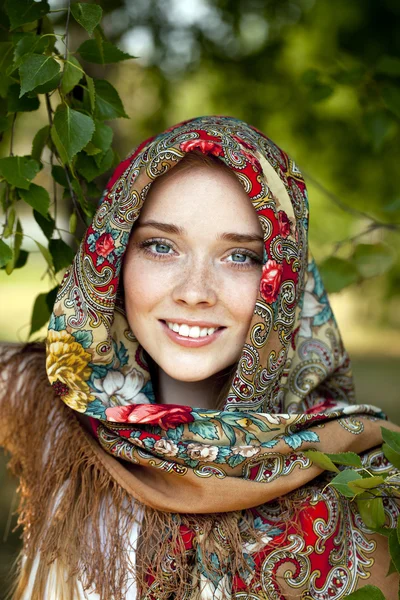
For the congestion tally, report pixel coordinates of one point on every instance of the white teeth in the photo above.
(184, 330)
(192, 332)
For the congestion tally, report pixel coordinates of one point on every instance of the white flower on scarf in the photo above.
(117, 389)
(256, 546)
(246, 451)
(203, 452)
(275, 419)
(311, 308)
(166, 447)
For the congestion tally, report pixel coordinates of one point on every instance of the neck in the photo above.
(199, 394)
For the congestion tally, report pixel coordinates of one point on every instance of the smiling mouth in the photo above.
(200, 332)
(191, 331)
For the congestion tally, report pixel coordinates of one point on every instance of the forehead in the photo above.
(199, 193)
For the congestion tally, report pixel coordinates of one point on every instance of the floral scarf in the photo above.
(216, 474)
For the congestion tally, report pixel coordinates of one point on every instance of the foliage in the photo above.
(76, 142)
(301, 71)
(368, 491)
(330, 99)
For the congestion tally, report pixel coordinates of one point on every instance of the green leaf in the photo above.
(350, 459)
(6, 253)
(391, 569)
(9, 225)
(392, 456)
(372, 259)
(91, 149)
(320, 91)
(310, 76)
(6, 60)
(398, 530)
(371, 510)
(352, 76)
(338, 273)
(58, 173)
(342, 479)
(61, 253)
(30, 44)
(46, 224)
(391, 96)
(87, 15)
(46, 254)
(37, 197)
(18, 235)
(367, 483)
(367, 592)
(51, 298)
(5, 123)
(73, 221)
(71, 131)
(21, 260)
(25, 11)
(72, 73)
(392, 438)
(18, 104)
(394, 549)
(321, 460)
(39, 141)
(379, 126)
(389, 65)
(89, 168)
(49, 86)
(91, 91)
(101, 52)
(40, 313)
(103, 136)
(108, 102)
(19, 170)
(37, 69)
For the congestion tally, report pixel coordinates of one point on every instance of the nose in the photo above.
(197, 285)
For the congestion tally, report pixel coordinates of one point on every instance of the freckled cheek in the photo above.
(240, 297)
(145, 287)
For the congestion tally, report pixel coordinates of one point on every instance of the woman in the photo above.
(193, 339)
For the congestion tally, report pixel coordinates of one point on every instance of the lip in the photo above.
(188, 342)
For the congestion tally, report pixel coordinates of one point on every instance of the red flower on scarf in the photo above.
(206, 147)
(166, 416)
(284, 223)
(105, 244)
(271, 281)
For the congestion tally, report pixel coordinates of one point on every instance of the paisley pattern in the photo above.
(292, 389)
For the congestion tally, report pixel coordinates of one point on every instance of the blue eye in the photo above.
(238, 257)
(161, 248)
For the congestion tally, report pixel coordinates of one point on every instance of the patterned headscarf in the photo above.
(292, 388)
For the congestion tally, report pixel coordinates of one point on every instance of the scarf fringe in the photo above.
(77, 521)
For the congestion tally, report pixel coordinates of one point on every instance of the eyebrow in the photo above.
(228, 236)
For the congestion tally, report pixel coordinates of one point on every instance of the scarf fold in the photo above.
(208, 479)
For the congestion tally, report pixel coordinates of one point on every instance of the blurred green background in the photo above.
(320, 78)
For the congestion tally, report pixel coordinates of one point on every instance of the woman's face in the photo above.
(192, 271)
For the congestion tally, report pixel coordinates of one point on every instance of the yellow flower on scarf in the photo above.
(67, 369)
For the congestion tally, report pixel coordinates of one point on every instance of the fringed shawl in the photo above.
(216, 492)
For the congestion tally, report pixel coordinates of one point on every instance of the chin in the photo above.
(191, 375)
